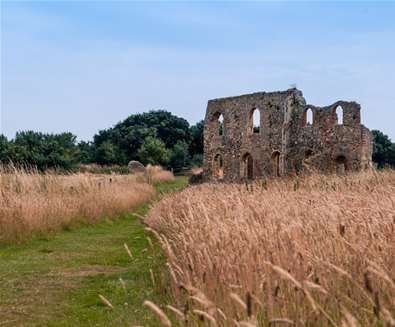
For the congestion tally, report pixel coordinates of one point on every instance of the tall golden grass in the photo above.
(313, 251)
(32, 202)
(158, 174)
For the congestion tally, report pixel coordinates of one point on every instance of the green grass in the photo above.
(55, 281)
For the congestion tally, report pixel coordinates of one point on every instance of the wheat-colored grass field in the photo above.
(310, 251)
(37, 203)
(157, 174)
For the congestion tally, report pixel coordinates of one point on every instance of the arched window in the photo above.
(309, 118)
(217, 124)
(255, 121)
(339, 115)
(221, 128)
(276, 163)
(218, 167)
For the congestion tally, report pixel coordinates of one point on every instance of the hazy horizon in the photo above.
(84, 66)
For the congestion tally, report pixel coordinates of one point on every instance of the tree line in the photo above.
(383, 150)
(155, 137)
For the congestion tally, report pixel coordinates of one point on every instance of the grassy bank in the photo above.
(56, 281)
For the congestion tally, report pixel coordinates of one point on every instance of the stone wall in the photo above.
(286, 142)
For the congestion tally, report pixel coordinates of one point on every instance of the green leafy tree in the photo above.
(129, 135)
(384, 150)
(196, 145)
(197, 160)
(86, 152)
(4, 149)
(153, 151)
(60, 150)
(44, 150)
(28, 149)
(168, 128)
(107, 154)
(179, 156)
(156, 137)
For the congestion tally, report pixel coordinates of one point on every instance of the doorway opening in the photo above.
(218, 167)
(276, 163)
(248, 166)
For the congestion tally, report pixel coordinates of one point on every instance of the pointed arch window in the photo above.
(221, 128)
(339, 115)
(309, 117)
(255, 121)
(218, 125)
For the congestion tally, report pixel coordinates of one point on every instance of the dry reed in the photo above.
(158, 174)
(313, 251)
(31, 202)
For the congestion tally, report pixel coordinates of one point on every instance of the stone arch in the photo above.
(276, 163)
(254, 121)
(308, 117)
(341, 165)
(218, 166)
(338, 113)
(218, 120)
(247, 166)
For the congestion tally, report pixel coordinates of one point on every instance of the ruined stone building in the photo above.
(274, 134)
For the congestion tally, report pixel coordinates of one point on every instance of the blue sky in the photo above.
(81, 66)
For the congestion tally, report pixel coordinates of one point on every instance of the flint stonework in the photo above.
(286, 142)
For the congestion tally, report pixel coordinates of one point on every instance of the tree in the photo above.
(383, 150)
(106, 154)
(179, 156)
(196, 145)
(44, 151)
(60, 151)
(86, 152)
(168, 128)
(129, 135)
(28, 149)
(4, 149)
(197, 160)
(156, 137)
(153, 151)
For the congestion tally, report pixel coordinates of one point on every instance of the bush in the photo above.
(153, 152)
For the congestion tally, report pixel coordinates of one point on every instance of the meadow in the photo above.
(63, 240)
(34, 203)
(309, 251)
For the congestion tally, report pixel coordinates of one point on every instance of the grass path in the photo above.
(56, 281)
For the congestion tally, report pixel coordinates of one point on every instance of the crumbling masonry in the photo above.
(288, 137)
